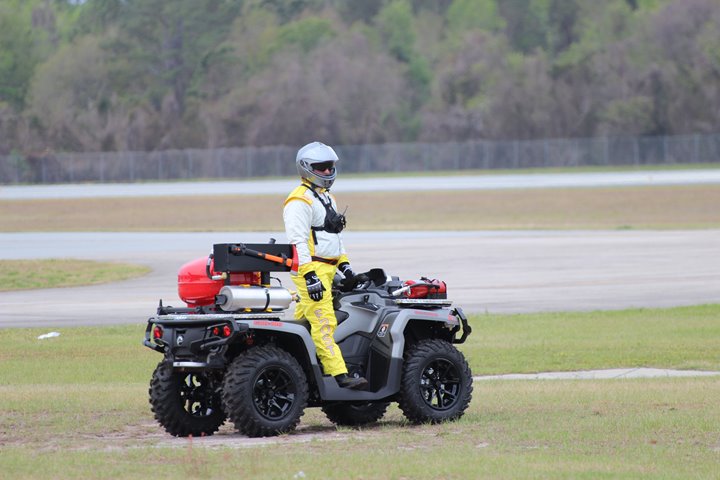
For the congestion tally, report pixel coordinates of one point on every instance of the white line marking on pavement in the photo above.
(600, 374)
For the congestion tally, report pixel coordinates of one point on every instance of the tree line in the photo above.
(144, 75)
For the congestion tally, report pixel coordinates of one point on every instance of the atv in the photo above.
(231, 353)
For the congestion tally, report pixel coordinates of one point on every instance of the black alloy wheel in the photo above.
(274, 392)
(440, 384)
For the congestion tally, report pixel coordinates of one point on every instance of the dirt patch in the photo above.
(150, 434)
(694, 206)
(227, 437)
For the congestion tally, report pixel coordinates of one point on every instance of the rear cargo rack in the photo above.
(218, 317)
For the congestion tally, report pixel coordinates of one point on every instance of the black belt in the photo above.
(324, 260)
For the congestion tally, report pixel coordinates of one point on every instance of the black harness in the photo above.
(334, 222)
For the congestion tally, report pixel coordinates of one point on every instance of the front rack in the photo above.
(423, 302)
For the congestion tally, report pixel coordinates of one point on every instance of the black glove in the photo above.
(346, 270)
(314, 286)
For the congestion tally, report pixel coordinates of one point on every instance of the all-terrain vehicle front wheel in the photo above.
(351, 414)
(436, 383)
(265, 392)
(186, 403)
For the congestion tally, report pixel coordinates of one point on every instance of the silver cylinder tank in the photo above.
(256, 298)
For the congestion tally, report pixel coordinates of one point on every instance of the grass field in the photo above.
(76, 406)
(52, 273)
(660, 207)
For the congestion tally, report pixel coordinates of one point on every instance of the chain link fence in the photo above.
(250, 162)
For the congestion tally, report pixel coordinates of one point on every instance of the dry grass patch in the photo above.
(658, 207)
(52, 273)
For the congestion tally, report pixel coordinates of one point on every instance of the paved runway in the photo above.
(496, 272)
(387, 183)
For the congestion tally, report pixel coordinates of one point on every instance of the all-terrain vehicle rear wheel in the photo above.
(351, 414)
(436, 383)
(265, 392)
(186, 403)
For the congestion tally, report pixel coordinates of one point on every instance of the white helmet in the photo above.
(312, 154)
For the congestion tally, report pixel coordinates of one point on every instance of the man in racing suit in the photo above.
(313, 226)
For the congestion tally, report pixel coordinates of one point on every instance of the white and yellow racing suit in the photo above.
(320, 251)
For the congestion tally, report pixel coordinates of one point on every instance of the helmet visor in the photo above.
(322, 167)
